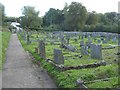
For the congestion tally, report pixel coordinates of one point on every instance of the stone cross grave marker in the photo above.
(58, 56)
(96, 51)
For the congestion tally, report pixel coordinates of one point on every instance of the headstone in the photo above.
(119, 40)
(68, 39)
(83, 37)
(114, 39)
(42, 49)
(81, 43)
(96, 51)
(58, 56)
(104, 41)
(88, 43)
(107, 37)
(84, 50)
(62, 39)
(99, 41)
(71, 48)
(89, 38)
(24, 37)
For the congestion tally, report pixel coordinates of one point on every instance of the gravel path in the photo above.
(20, 72)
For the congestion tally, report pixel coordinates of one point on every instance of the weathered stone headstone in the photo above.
(58, 56)
(71, 48)
(68, 40)
(96, 51)
(62, 39)
(42, 49)
(119, 40)
(81, 43)
(114, 39)
(24, 37)
(84, 50)
(99, 41)
(89, 38)
(83, 37)
(104, 41)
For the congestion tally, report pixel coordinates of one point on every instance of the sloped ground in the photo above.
(20, 72)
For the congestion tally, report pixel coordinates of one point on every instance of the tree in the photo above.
(53, 16)
(102, 19)
(30, 19)
(75, 16)
(53, 19)
(92, 18)
(2, 14)
(112, 17)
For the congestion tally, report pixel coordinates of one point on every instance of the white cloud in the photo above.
(13, 7)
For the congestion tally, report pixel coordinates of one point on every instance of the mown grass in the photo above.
(4, 40)
(67, 79)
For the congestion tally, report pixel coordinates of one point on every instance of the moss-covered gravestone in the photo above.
(58, 56)
(84, 50)
(96, 51)
(42, 49)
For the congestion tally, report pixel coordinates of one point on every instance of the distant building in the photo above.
(16, 27)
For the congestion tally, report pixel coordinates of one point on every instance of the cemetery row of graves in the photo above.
(76, 59)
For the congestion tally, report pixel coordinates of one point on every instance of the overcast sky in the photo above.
(13, 7)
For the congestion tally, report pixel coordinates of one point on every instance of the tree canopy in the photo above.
(73, 17)
(2, 14)
(30, 19)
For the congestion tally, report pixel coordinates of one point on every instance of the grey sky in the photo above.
(13, 7)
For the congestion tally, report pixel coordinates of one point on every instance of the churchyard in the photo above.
(76, 59)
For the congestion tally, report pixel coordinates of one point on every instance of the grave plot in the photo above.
(75, 54)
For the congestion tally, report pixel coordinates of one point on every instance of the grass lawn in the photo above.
(4, 40)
